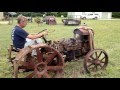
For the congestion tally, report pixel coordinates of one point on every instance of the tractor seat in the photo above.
(10, 50)
(14, 49)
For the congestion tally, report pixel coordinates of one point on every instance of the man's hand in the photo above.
(44, 33)
(31, 36)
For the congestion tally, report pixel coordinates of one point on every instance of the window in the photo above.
(96, 14)
(91, 14)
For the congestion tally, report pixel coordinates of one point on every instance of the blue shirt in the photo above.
(18, 36)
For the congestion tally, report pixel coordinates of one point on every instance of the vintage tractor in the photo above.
(82, 45)
(50, 20)
(71, 22)
(51, 56)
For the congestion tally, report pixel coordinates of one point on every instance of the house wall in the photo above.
(103, 15)
(109, 15)
(1, 15)
(71, 14)
(77, 14)
(106, 15)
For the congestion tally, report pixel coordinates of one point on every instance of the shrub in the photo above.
(37, 20)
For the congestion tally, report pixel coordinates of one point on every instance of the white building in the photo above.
(102, 15)
(1, 15)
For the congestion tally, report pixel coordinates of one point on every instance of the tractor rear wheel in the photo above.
(45, 62)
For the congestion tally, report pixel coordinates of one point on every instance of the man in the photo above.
(19, 35)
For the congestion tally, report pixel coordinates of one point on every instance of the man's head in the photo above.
(22, 21)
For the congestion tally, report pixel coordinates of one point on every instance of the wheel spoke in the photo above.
(92, 57)
(100, 54)
(102, 61)
(90, 65)
(95, 68)
(96, 55)
(100, 65)
(51, 57)
(102, 58)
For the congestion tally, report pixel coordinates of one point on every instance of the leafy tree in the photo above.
(40, 14)
(116, 14)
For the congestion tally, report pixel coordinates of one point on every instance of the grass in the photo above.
(107, 37)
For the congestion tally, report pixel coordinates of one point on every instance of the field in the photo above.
(107, 37)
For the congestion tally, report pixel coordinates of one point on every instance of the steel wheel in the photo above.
(45, 55)
(95, 60)
(54, 63)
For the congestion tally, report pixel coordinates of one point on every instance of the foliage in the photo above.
(37, 20)
(57, 14)
(116, 14)
(40, 14)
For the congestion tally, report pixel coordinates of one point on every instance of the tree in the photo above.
(116, 14)
(40, 14)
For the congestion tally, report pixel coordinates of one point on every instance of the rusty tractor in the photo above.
(50, 20)
(82, 45)
(71, 22)
(50, 58)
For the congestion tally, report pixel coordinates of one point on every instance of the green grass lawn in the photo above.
(107, 37)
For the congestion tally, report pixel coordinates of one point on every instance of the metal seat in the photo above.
(11, 49)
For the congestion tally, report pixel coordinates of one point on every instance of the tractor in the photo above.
(51, 56)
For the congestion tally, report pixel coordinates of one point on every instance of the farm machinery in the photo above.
(51, 56)
(71, 22)
(50, 20)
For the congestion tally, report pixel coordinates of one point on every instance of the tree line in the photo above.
(116, 14)
(34, 14)
(57, 14)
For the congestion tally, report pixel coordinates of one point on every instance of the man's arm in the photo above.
(35, 36)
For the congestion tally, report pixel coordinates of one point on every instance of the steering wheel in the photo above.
(45, 40)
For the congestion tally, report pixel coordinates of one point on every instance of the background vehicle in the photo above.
(71, 22)
(50, 20)
(90, 16)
